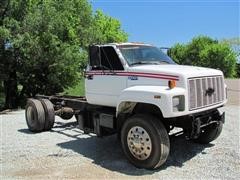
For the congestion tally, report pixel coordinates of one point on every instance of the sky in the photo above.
(167, 22)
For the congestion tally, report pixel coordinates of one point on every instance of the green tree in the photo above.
(107, 29)
(8, 62)
(219, 56)
(234, 43)
(44, 43)
(104, 29)
(207, 52)
(178, 53)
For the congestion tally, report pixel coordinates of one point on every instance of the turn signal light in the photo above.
(171, 84)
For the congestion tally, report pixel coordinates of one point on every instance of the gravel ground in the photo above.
(66, 153)
(233, 86)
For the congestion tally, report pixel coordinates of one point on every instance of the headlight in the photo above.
(178, 103)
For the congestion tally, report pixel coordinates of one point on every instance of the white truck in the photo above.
(138, 92)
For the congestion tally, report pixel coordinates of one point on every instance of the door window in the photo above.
(109, 60)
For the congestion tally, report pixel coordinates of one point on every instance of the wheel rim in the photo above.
(30, 116)
(139, 143)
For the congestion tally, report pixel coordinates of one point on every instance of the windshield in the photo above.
(139, 54)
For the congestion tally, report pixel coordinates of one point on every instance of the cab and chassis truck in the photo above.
(138, 92)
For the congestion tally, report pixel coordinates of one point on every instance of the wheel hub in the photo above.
(139, 143)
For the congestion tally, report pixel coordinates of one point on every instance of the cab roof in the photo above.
(126, 44)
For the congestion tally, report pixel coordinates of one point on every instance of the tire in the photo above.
(210, 133)
(35, 115)
(49, 114)
(152, 150)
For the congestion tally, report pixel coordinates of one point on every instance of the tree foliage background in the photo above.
(206, 52)
(234, 43)
(43, 44)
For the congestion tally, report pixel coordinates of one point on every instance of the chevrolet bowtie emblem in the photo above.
(209, 92)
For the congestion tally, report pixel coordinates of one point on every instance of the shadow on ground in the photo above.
(107, 153)
(26, 131)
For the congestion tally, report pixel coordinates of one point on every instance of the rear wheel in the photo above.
(35, 115)
(209, 133)
(49, 114)
(145, 141)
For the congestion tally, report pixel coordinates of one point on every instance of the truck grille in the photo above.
(205, 91)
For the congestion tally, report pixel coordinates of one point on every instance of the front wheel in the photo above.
(210, 133)
(145, 141)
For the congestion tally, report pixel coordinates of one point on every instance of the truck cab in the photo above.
(142, 73)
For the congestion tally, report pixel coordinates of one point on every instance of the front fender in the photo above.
(160, 96)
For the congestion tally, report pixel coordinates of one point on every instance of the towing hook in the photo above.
(209, 119)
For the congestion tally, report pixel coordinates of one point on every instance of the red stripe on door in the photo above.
(140, 74)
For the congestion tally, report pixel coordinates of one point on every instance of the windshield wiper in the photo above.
(159, 62)
(150, 62)
(139, 62)
(145, 62)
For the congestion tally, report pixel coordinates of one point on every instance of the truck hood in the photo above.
(181, 71)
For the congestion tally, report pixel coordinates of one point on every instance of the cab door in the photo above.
(104, 82)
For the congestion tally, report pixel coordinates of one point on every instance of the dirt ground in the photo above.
(67, 153)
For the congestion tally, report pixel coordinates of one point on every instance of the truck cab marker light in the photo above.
(172, 84)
